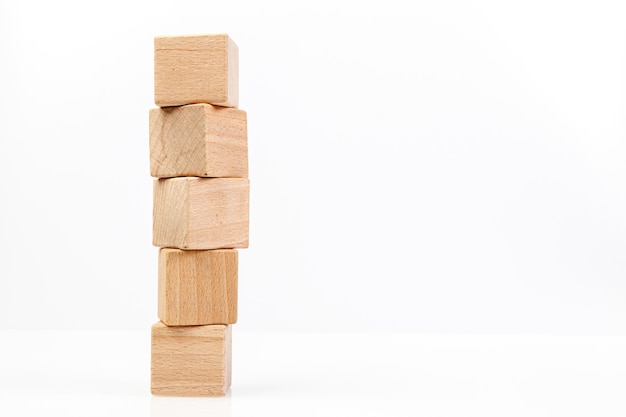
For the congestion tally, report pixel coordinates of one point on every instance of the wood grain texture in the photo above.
(201, 213)
(191, 361)
(196, 69)
(198, 140)
(197, 287)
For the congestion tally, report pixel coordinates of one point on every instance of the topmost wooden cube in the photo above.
(196, 69)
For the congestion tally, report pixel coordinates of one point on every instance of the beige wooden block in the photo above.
(191, 361)
(197, 287)
(201, 213)
(199, 140)
(196, 69)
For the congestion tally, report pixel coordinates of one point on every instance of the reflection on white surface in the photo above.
(48, 373)
(190, 407)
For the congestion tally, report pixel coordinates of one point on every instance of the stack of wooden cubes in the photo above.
(199, 157)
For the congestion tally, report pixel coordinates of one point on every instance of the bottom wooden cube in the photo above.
(191, 360)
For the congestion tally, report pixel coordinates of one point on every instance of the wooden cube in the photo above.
(196, 69)
(191, 361)
(197, 287)
(201, 213)
(198, 140)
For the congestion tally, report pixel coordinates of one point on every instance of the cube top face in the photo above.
(197, 287)
(198, 140)
(191, 361)
(196, 69)
(201, 213)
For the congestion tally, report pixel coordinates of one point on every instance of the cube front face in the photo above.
(191, 361)
(201, 213)
(197, 287)
(198, 140)
(196, 69)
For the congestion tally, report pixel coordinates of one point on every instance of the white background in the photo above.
(449, 166)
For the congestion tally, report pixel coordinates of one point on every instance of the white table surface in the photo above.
(73, 373)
